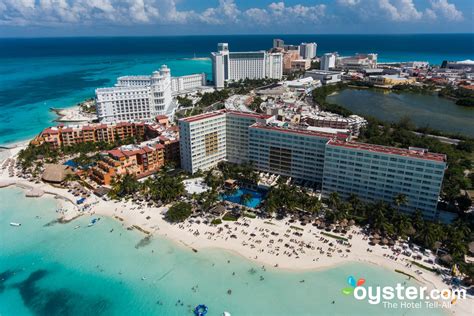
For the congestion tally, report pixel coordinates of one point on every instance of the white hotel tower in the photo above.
(233, 66)
(143, 97)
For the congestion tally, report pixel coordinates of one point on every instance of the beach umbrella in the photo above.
(376, 236)
(447, 259)
(385, 241)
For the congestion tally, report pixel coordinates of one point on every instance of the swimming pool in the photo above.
(255, 201)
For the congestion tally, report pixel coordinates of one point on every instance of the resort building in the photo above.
(379, 173)
(291, 151)
(300, 64)
(322, 157)
(308, 50)
(108, 133)
(205, 138)
(288, 57)
(234, 66)
(357, 62)
(144, 97)
(328, 61)
(139, 161)
(391, 80)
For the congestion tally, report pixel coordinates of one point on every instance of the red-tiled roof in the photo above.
(250, 114)
(203, 116)
(220, 112)
(50, 130)
(116, 153)
(390, 150)
(294, 131)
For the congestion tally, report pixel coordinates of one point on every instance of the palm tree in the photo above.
(334, 200)
(399, 200)
(245, 198)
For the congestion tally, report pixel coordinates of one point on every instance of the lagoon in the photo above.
(423, 109)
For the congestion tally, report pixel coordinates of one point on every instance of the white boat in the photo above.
(15, 224)
(77, 226)
(226, 314)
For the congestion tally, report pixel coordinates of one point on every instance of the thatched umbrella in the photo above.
(332, 226)
(318, 222)
(447, 259)
(376, 241)
(322, 225)
(376, 236)
(385, 241)
(391, 242)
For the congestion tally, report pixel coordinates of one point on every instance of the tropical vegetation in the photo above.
(178, 212)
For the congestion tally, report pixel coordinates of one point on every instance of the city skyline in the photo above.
(32, 18)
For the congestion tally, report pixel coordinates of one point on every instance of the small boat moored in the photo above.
(15, 224)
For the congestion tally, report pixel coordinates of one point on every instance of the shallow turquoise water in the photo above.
(254, 201)
(29, 87)
(58, 270)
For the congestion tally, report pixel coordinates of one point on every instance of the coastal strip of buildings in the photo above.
(157, 145)
(317, 157)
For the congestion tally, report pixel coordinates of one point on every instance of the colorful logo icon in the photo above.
(353, 284)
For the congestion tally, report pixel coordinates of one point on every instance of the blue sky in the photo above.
(198, 17)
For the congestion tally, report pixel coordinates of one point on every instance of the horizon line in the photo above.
(215, 35)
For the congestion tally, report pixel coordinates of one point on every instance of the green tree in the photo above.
(178, 212)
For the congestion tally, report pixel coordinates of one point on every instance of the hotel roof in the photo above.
(294, 130)
(419, 154)
(204, 116)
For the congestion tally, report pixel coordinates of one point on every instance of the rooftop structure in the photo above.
(326, 77)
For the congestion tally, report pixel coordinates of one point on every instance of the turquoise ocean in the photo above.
(53, 269)
(39, 73)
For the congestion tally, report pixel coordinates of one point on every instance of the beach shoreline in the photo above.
(199, 236)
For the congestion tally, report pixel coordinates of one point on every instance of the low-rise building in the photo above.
(391, 80)
(137, 160)
(300, 64)
(61, 135)
(326, 77)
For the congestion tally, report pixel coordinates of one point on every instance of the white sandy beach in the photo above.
(270, 243)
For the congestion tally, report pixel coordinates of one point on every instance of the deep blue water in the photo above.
(36, 74)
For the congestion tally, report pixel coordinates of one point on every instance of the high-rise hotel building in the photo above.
(143, 97)
(379, 173)
(212, 137)
(233, 66)
(325, 158)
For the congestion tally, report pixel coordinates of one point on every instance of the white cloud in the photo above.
(118, 12)
(280, 13)
(348, 2)
(446, 9)
(400, 10)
